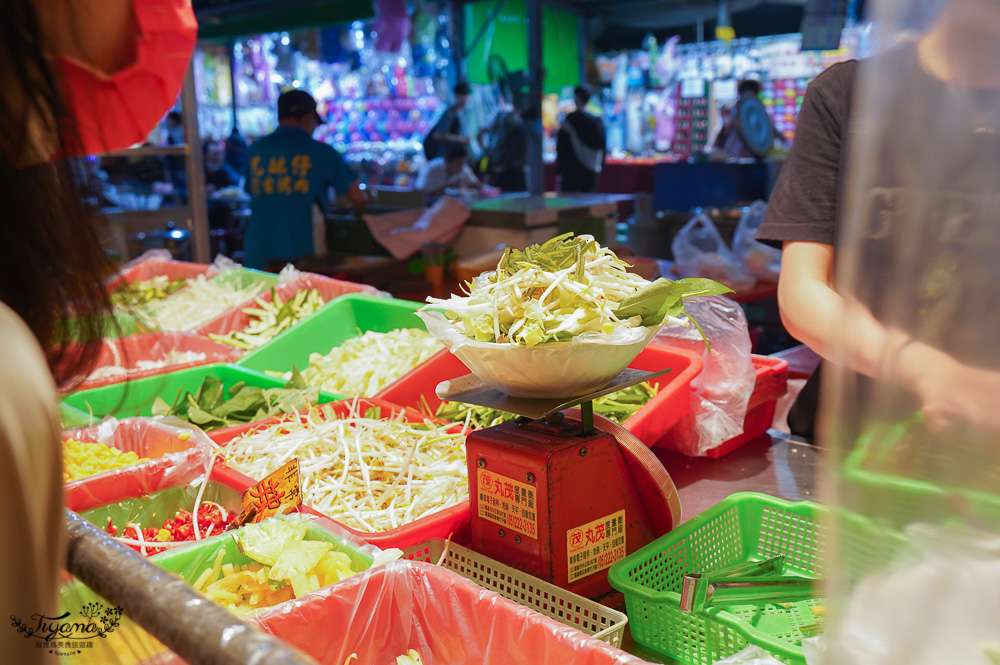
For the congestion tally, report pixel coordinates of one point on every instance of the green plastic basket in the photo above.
(135, 398)
(902, 491)
(343, 319)
(745, 527)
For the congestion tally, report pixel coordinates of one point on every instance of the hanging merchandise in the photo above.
(392, 26)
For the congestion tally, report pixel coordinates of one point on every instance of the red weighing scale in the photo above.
(559, 493)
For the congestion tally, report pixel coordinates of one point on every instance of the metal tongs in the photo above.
(753, 583)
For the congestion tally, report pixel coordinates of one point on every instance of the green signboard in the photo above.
(507, 36)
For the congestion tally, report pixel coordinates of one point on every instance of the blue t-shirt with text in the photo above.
(286, 173)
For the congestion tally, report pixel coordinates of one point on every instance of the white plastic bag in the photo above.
(752, 655)
(762, 260)
(721, 392)
(700, 251)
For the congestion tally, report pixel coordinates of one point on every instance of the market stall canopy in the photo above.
(223, 19)
(665, 13)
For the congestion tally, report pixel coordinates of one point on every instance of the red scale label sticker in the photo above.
(595, 545)
(507, 502)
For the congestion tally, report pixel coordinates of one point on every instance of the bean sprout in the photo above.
(370, 473)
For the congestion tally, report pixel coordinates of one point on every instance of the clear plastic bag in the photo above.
(762, 260)
(721, 392)
(700, 251)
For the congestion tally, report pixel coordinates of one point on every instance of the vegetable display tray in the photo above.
(176, 454)
(345, 318)
(135, 398)
(744, 527)
(127, 352)
(142, 271)
(329, 290)
(770, 386)
(671, 402)
(384, 612)
(453, 521)
(585, 615)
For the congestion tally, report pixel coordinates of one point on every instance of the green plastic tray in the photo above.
(135, 398)
(191, 562)
(343, 319)
(70, 417)
(155, 509)
(744, 527)
(952, 491)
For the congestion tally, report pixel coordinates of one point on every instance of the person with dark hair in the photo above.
(289, 176)
(218, 174)
(449, 130)
(449, 172)
(748, 87)
(728, 143)
(60, 65)
(581, 146)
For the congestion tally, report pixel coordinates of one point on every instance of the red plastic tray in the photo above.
(328, 290)
(671, 403)
(383, 612)
(154, 346)
(771, 385)
(171, 460)
(802, 361)
(453, 521)
(149, 269)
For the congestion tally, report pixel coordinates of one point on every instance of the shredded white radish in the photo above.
(203, 300)
(372, 474)
(364, 365)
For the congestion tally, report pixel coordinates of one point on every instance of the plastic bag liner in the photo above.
(178, 452)
(762, 260)
(721, 392)
(130, 644)
(154, 263)
(700, 251)
(127, 353)
(582, 365)
(152, 510)
(447, 619)
(290, 282)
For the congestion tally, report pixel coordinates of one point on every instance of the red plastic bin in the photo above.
(383, 612)
(328, 288)
(453, 521)
(128, 351)
(150, 268)
(771, 385)
(172, 460)
(671, 403)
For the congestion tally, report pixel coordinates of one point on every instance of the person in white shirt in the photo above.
(449, 172)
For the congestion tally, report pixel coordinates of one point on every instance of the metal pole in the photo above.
(700, 25)
(457, 23)
(725, 19)
(536, 165)
(197, 204)
(232, 81)
(165, 606)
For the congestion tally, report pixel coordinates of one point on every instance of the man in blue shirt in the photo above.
(287, 173)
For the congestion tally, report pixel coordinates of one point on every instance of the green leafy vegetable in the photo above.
(269, 319)
(212, 406)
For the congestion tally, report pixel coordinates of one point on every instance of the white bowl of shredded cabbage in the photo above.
(556, 320)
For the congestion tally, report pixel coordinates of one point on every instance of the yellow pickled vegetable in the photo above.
(82, 459)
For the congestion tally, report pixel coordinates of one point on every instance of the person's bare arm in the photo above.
(99, 34)
(844, 331)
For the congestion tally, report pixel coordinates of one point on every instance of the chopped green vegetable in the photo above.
(203, 300)
(213, 407)
(362, 366)
(136, 294)
(619, 406)
(264, 542)
(269, 319)
(298, 558)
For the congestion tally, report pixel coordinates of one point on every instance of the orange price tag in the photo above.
(281, 488)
